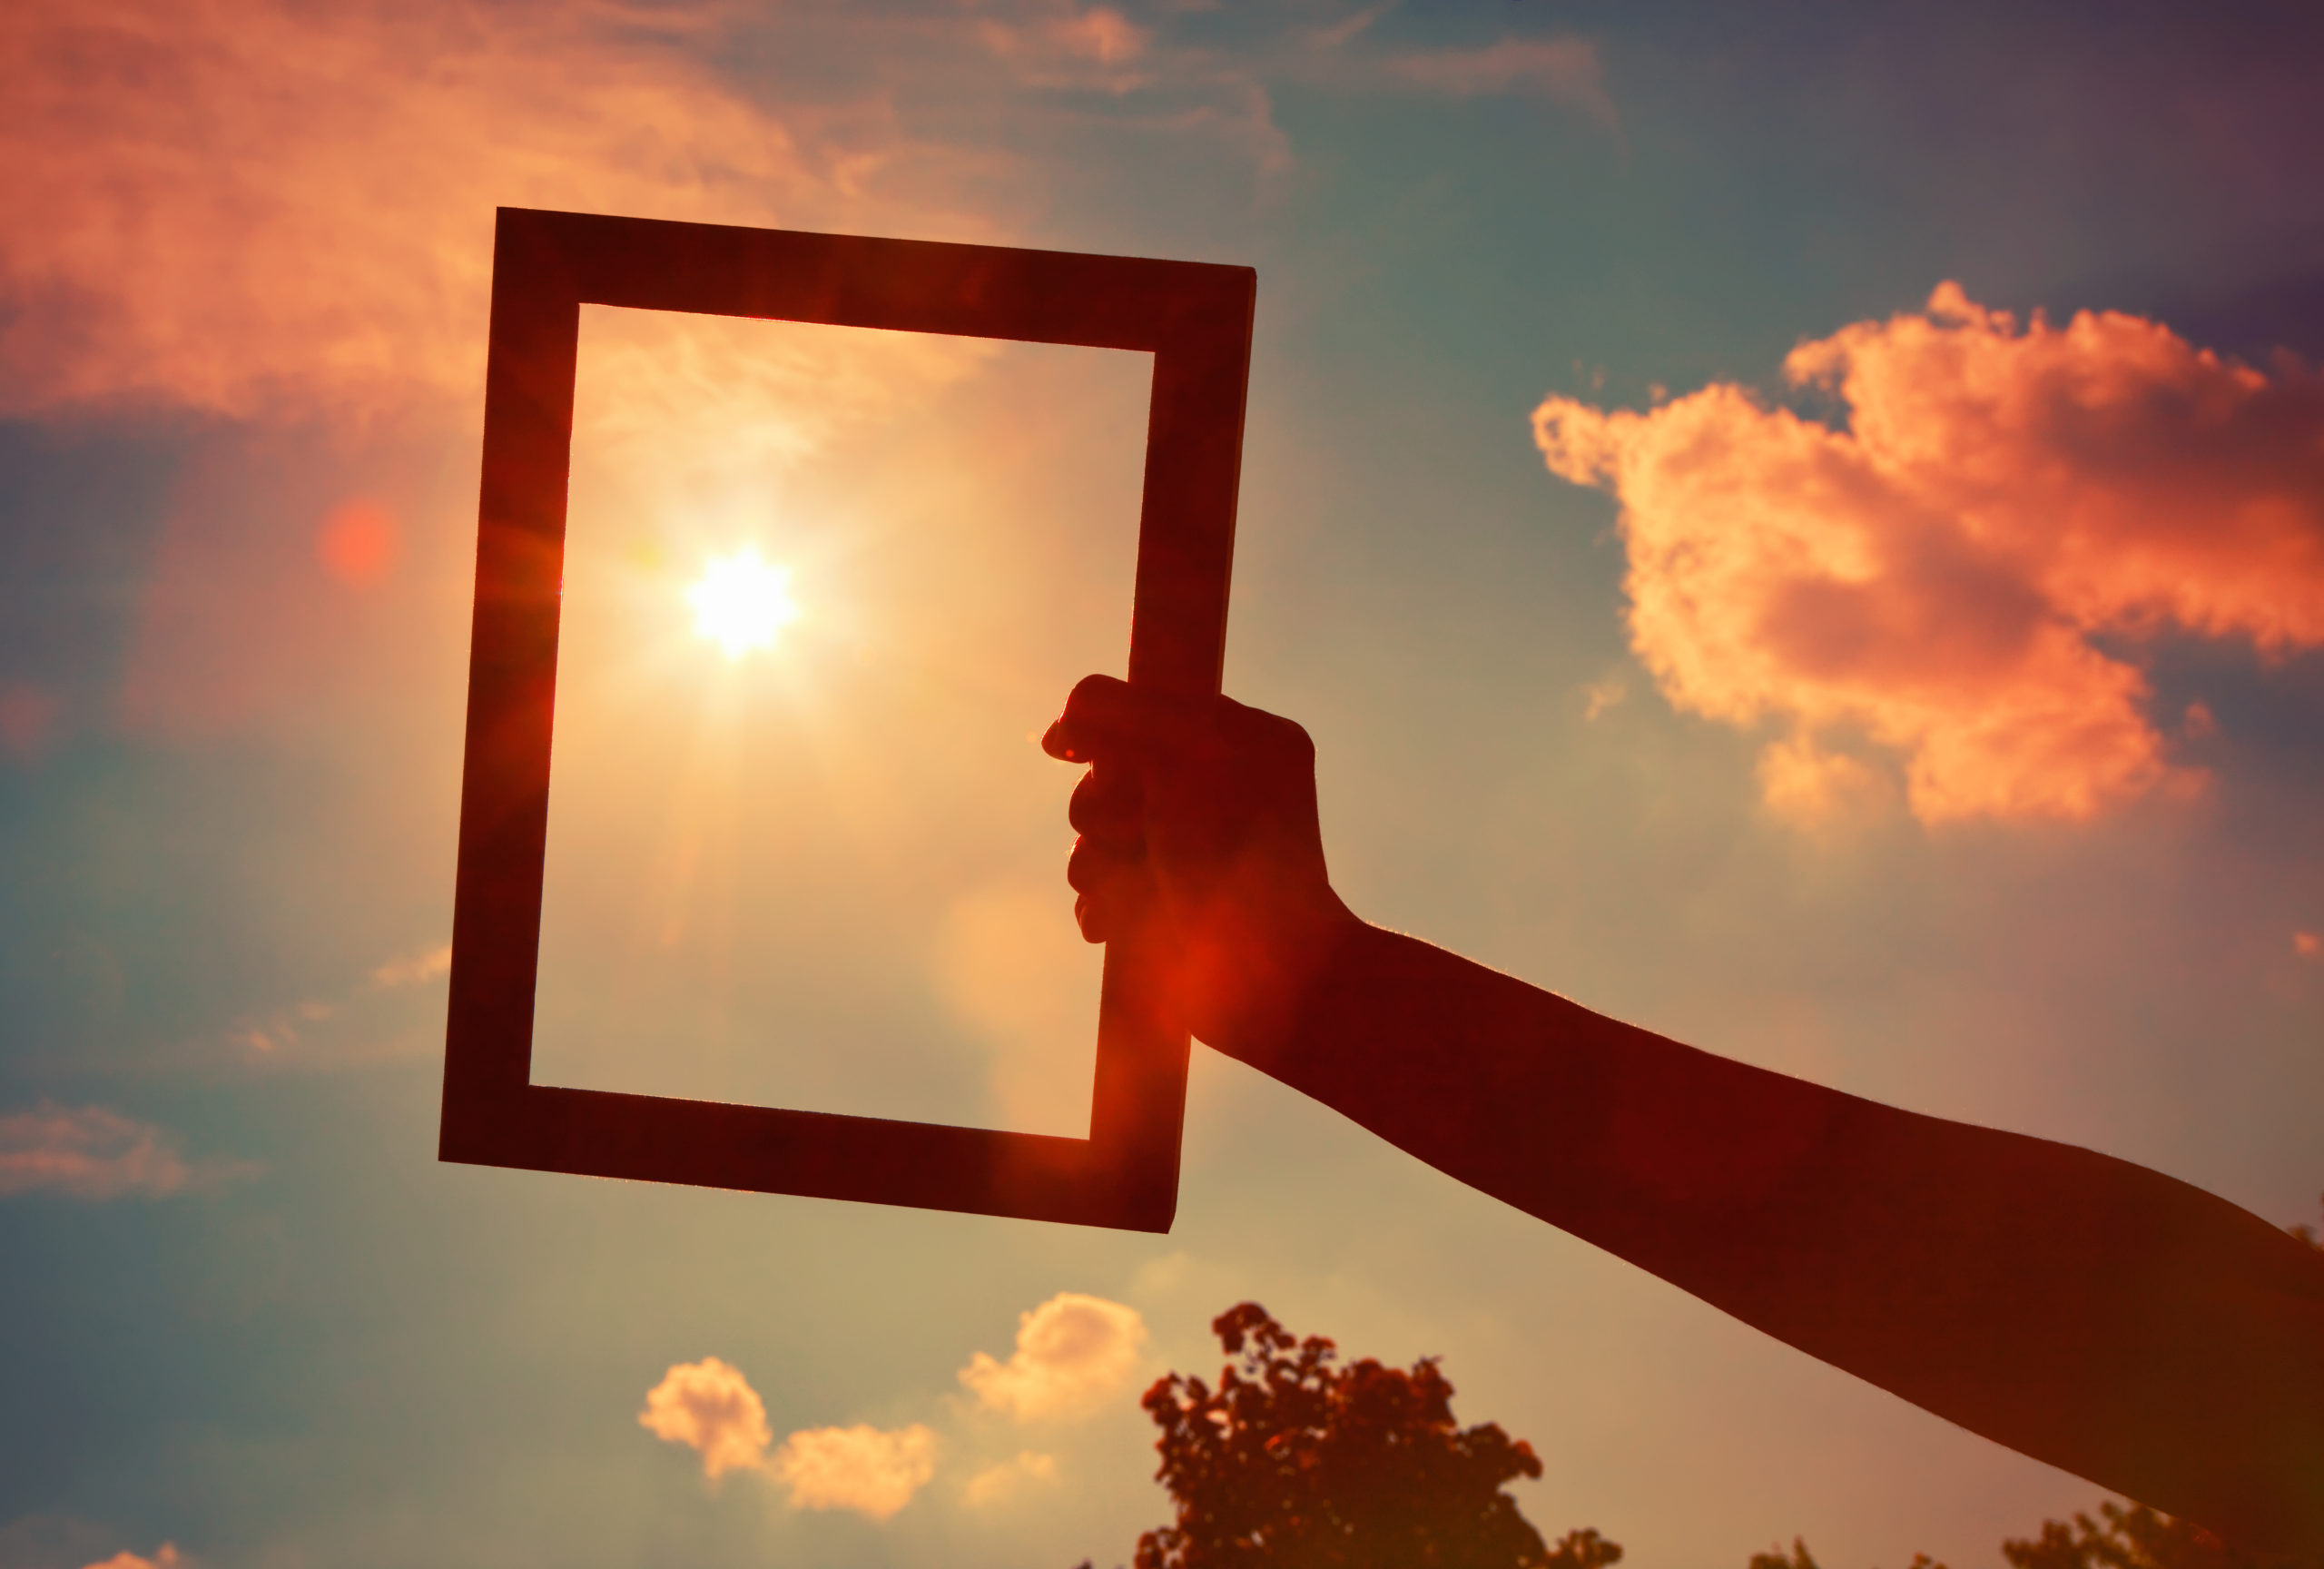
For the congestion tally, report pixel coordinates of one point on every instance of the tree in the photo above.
(1295, 1462)
(2133, 1537)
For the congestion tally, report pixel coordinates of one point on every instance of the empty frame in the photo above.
(1194, 318)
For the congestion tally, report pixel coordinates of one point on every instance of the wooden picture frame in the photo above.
(1194, 318)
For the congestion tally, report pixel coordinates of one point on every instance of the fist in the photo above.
(1196, 825)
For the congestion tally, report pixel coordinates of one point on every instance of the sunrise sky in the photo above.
(1799, 525)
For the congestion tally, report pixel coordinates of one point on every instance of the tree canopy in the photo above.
(1296, 1461)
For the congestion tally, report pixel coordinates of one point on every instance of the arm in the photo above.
(2088, 1312)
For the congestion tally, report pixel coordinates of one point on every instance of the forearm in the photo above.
(2092, 1313)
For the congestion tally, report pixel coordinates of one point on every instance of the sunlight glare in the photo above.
(741, 602)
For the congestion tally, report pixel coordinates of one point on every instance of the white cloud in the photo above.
(1072, 1352)
(862, 1469)
(710, 1407)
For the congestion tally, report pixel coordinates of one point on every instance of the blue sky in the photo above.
(248, 1315)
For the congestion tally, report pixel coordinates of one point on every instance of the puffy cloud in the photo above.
(1072, 1352)
(710, 1407)
(1955, 573)
(862, 1469)
(255, 206)
(165, 1556)
(996, 1485)
(95, 1153)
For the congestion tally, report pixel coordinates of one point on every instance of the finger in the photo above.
(1110, 802)
(1094, 715)
(1108, 887)
(1094, 917)
(1097, 865)
(1106, 717)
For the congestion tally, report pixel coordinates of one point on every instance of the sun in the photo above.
(740, 602)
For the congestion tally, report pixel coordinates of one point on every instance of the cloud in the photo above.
(862, 1469)
(95, 1153)
(1072, 1352)
(1802, 781)
(710, 1407)
(996, 1485)
(413, 969)
(1957, 572)
(1064, 46)
(265, 208)
(1598, 696)
(165, 1556)
(295, 1034)
(1568, 70)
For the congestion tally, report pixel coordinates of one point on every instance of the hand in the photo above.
(1197, 816)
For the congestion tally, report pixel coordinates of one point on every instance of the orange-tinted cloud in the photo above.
(874, 1472)
(1934, 575)
(255, 207)
(165, 1556)
(1066, 45)
(710, 1407)
(1072, 1352)
(413, 969)
(93, 1153)
(997, 1484)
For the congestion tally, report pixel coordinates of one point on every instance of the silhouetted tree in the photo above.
(2131, 1537)
(1295, 1462)
(1777, 1558)
(1800, 1558)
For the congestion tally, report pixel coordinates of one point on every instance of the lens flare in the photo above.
(741, 601)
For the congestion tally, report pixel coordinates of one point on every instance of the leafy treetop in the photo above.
(1294, 1460)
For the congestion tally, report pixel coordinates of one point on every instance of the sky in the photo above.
(1797, 526)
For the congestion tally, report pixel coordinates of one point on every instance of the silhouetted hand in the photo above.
(2095, 1315)
(1200, 815)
